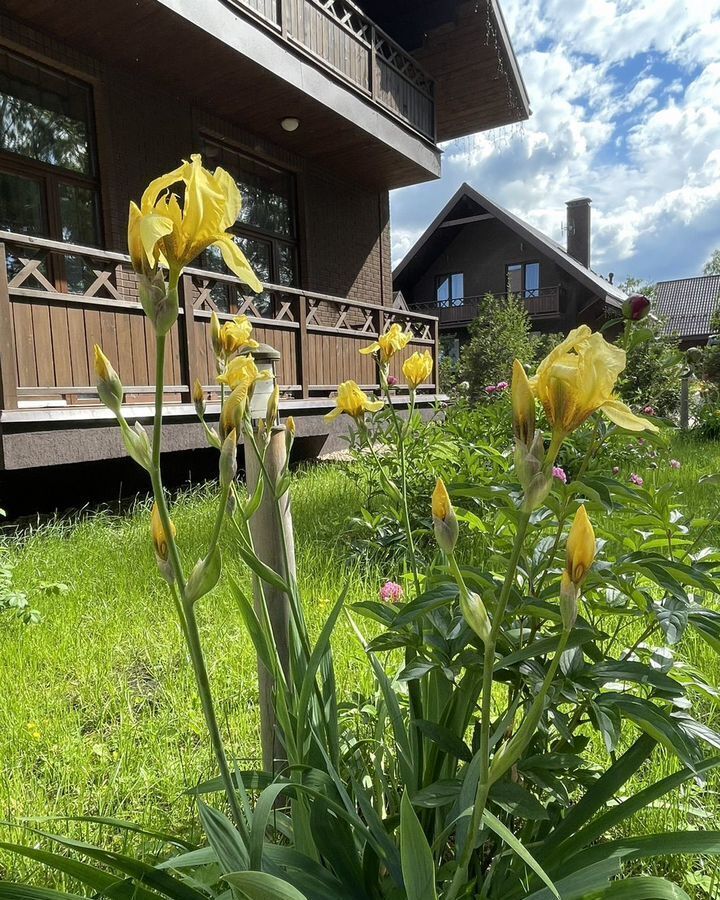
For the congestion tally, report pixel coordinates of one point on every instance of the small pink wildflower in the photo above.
(391, 592)
(559, 474)
(490, 389)
(675, 463)
(636, 479)
(641, 441)
(649, 411)
(392, 380)
(501, 386)
(616, 470)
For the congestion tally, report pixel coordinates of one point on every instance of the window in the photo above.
(48, 168)
(265, 230)
(449, 289)
(523, 278)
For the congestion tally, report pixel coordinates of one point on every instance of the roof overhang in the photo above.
(465, 46)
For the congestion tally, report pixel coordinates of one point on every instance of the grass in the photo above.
(99, 713)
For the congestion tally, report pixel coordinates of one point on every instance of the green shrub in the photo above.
(654, 368)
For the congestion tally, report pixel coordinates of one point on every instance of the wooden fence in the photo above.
(57, 300)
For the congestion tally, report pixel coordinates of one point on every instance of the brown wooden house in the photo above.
(475, 247)
(317, 107)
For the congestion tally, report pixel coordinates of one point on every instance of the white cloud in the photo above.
(626, 109)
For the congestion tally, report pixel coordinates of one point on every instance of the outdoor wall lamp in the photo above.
(266, 359)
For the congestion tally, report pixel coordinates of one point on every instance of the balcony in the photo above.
(341, 38)
(545, 302)
(57, 300)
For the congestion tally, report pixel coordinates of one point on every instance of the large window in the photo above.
(449, 289)
(48, 168)
(523, 279)
(266, 228)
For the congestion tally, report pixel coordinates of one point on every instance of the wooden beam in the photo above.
(188, 336)
(466, 220)
(8, 356)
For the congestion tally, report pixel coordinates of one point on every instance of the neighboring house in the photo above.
(688, 305)
(317, 107)
(475, 247)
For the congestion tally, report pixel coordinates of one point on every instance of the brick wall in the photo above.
(143, 130)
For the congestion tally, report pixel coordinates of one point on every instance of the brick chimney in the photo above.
(578, 229)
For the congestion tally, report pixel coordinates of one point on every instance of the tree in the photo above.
(500, 333)
(712, 266)
(633, 285)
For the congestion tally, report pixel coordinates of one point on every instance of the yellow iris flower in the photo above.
(580, 548)
(577, 378)
(389, 343)
(242, 371)
(159, 538)
(417, 369)
(445, 521)
(523, 405)
(235, 336)
(159, 231)
(353, 401)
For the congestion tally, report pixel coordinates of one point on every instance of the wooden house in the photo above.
(475, 247)
(317, 107)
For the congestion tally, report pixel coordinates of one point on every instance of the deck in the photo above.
(57, 300)
(543, 303)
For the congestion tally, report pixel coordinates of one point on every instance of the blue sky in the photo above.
(626, 110)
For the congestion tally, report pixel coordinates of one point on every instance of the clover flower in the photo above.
(391, 592)
(636, 479)
(560, 474)
(675, 463)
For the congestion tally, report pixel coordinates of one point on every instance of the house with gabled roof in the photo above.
(687, 306)
(476, 247)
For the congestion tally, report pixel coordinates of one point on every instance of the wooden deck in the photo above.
(544, 303)
(60, 299)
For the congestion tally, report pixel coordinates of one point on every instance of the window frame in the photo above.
(52, 178)
(451, 301)
(523, 292)
(254, 232)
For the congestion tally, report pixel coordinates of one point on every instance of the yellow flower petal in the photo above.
(417, 369)
(236, 261)
(622, 416)
(580, 547)
(371, 348)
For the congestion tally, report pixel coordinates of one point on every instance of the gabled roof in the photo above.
(467, 203)
(688, 304)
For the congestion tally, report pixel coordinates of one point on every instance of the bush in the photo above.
(500, 333)
(654, 368)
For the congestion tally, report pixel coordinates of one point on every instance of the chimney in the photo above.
(578, 230)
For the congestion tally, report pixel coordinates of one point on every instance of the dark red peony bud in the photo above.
(636, 307)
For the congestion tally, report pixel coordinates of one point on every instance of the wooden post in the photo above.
(8, 351)
(372, 65)
(188, 334)
(303, 347)
(264, 527)
(283, 12)
(436, 351)
(685, 401)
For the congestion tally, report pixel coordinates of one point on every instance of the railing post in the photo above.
(8, 352)
(372, 64)
(283, 9)
(436, 368)
(685, 401)
(188, 334)
(303, 347)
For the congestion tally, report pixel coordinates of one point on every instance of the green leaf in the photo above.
(638, 673)
(334, 839)
(517, 801)
(265, 573)
(261, 886)
(252, 623)
(544, 646)
(430, 600)
(89, 875)
(642, 887)
(439, 793)
(504, 833)
(445, 739)
(647, 846)
(12, 891)
(578, 885)
(418, 866)
(223, 837)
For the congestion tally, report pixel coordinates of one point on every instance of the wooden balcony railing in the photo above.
(544, 302)
(342, 38)
(57, 300)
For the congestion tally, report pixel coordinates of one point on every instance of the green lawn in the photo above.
(99, 713)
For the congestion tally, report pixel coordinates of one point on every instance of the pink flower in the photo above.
(649, 411)
(641, 441)
(636, 307)
(490, 389)
(636, 479)
(616, 470)
(559, 474)
(675, 463)
(392, 380)
(391, 592)
(501, 386)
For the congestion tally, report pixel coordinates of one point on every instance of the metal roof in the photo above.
(687, 304)
(426, 247)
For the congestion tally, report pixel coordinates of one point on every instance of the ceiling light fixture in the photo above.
(290, 123)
